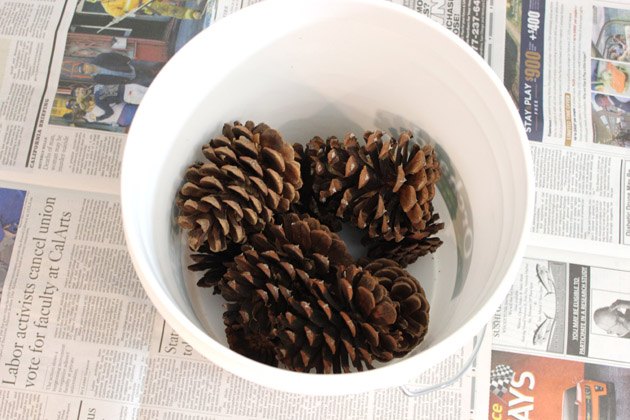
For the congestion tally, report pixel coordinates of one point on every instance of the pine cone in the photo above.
(308, 203)
(247, 330)
(373, 313)
(385, 186)
(249, 175)
(214, 264)
(349, 320)
(276, 259)
(300, 246)
(411, 302)
(412, 247)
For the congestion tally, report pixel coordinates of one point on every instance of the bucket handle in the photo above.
(416, 391)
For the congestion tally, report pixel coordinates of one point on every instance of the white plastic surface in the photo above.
(326, 67)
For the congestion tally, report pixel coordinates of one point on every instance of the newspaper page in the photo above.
(71, 299)
(31, 53)
(74, 73)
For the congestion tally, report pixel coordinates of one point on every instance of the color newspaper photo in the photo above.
(611, 119)
(11, 203)
(611, 34)
(610, 49)
(114, 50)
(610, 77)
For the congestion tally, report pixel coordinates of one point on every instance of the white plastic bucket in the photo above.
(323, 67)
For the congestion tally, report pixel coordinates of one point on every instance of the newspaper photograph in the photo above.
(533, 387)
(609, 77)
(111, 56)
(11, 203)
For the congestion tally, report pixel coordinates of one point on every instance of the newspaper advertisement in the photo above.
(71, 299)
(546, 67)
(568, 305)
(524, 386)
(567, 69)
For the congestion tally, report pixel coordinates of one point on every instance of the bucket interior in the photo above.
(338, 90)
(335, 70)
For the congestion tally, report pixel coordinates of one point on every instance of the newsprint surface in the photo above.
(79, 338)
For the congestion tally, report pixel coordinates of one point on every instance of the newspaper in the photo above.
(69, 294)
(561, 345)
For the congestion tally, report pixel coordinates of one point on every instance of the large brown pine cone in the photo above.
(410, 248)
(250, 174)
(361, 317)
(299, 247)
(384, 186)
